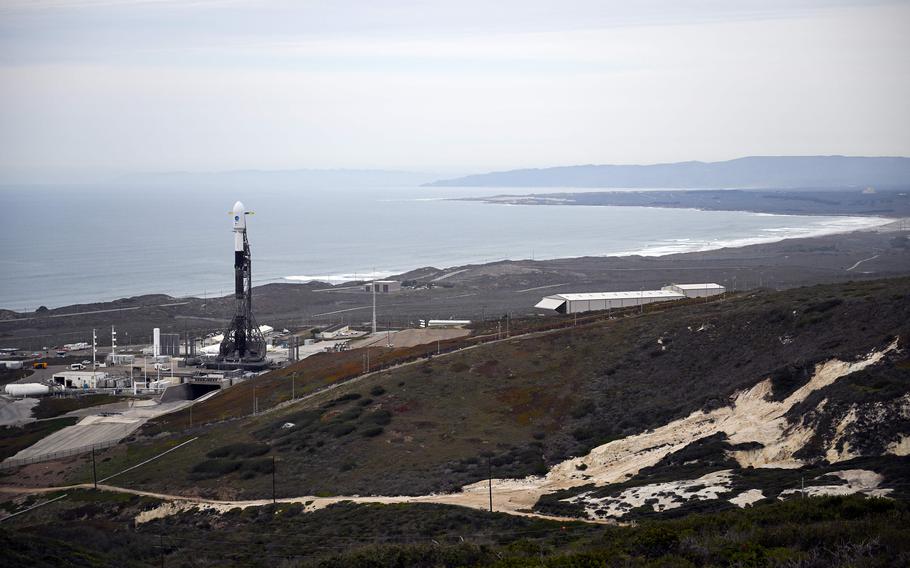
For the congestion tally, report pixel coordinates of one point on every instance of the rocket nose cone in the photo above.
(238, 208)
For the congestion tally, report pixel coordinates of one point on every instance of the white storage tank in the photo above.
(27, 389)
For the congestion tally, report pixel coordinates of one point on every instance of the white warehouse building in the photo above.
(588, 302)
(79, 379)
(593, 301)
(697, 290)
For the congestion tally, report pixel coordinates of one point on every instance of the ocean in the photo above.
(66, 245)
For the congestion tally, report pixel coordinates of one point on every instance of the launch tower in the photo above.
(243, 345)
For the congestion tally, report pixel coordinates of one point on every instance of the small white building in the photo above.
(382, 286)
(697, 290)
(79, 379)
(447, 323)
(333, 331)
(588, 302)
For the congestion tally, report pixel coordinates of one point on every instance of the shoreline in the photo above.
(890, 203)
(340, 282)
(656, 250)
(478, 291)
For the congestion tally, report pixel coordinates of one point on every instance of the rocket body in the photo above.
(239, 214)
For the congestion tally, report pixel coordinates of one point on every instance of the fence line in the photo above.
(11, 463)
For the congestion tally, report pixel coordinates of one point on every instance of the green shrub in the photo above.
(239, 450)
(380, 417)
(211, 469)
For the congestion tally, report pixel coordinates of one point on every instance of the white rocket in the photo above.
(239, 226)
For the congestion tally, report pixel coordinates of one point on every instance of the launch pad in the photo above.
(243, 346)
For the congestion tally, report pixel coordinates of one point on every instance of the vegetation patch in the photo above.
(16, 438)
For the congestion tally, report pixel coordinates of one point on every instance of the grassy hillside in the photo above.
(526, 403)
(838, 531)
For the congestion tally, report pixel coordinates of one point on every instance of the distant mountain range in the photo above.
(749, 172)
(279, 178)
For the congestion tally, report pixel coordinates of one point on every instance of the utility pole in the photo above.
(273, 480)
(94, 353)
(490, 480)
(373, 288)
(94, 471)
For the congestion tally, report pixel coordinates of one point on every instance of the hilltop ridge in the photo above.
(747, 172)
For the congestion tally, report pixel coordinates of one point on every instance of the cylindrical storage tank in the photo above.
(27, 389)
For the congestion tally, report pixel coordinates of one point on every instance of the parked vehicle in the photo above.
(77, 367)
(39, 365)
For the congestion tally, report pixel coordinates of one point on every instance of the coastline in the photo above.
(852, 202)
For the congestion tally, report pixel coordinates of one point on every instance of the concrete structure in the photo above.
(448, 323)
(334, 331)
(79, 379)
(696, 290)
(11, 364)
(382, 286)
(587, 302)
(169, 344)
(120, 359)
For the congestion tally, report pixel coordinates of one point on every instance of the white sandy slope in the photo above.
(751, 417)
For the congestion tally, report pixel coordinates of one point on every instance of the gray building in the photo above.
(382, 286)
(697, 290)
(170, 344)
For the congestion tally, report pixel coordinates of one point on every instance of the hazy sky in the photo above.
(447, 86)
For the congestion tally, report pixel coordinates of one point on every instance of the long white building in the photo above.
(593, 301)
(588, 302)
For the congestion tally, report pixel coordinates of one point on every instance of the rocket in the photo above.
(240, 248)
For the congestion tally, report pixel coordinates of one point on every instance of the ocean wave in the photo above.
(771, 235)
(340, 278)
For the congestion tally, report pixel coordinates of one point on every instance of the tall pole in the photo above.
(94, 471)
(373, 287)
(94, 353)
(273, 480)
(490, 480)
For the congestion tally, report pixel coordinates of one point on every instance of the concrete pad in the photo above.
(16, 412)
(96, 429)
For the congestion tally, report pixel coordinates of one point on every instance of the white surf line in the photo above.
(541, 287)
(148, 460)
(340, 311)
(858, 262)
